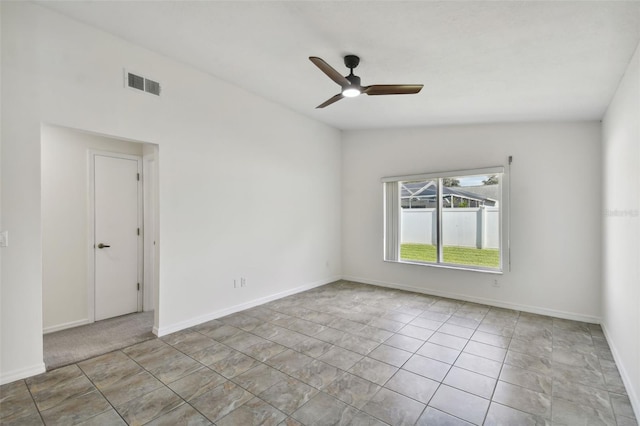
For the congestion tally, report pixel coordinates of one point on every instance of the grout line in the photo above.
(99, 391)
(33, 400)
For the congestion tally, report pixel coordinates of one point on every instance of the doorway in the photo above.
(69, 256)
(72, 298)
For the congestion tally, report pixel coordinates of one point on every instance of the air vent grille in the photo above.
(152, 87)
(137, 82)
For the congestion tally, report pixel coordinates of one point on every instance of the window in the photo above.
(449, 219)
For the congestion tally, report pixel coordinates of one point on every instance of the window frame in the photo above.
(393, 223)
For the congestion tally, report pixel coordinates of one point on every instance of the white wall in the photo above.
(621, 224)
(231, 165)
(65, 221)
(554, 164)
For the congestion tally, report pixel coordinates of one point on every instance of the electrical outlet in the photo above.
(4, 239)
(235, 284)
(496, 283)
(243, 282)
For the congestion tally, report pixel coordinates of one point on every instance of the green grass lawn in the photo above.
(460, 255)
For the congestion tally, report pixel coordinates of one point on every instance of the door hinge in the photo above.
(138, 286)
(138, 231)
(138, 175)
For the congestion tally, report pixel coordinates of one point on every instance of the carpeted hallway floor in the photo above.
(76, 344)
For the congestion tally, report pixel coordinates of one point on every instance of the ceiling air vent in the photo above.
(137, 82)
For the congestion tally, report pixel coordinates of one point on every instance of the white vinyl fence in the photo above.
(463, 227)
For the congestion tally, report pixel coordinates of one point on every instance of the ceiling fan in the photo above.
(351, 83)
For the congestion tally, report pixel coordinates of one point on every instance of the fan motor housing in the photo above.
(351, 61)
(354, 80)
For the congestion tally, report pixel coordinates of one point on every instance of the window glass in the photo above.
(418, 220)
(471, 221)
(448, 219)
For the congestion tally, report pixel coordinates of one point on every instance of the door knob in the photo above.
(101, 246)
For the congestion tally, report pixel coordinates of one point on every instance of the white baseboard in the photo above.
(163, 331)
(66, 325)
(633, 396)
(482, 300)
(22, 373)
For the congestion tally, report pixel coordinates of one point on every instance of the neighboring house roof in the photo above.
(423, 190)
(491, 192)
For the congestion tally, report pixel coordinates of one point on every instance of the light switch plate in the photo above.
(4, 238)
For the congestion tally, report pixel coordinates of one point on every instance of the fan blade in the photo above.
(328, 70)
(392, 89)
(328, 102)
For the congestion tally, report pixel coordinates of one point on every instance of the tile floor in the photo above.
(347, 354)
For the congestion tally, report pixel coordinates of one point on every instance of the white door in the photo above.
(116, 231)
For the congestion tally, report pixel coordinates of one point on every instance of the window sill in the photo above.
(450, 266)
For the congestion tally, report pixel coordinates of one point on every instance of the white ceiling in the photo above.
(479, 61)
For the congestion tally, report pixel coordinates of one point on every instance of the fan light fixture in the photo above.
(350, 92)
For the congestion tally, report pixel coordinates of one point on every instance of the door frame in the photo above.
(150, 236)
(91, 264)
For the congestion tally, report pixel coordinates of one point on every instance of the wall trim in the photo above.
(22, 373)
(172, 328)
(482, 300)
(633, 396)
(66, 325)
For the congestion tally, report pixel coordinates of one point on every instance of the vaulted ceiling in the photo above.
(479, 61)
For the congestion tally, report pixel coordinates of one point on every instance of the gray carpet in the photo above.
(76, 344)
